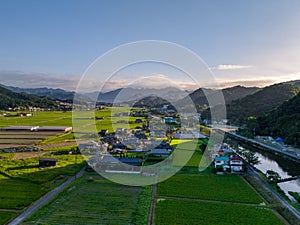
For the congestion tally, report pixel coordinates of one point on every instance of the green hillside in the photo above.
(261, 102)
(283, 122)
(10, 99)
(230, 94)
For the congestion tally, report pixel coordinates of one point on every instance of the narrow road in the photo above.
(296, 157)
(279, 197)
(152, 206)
(44, 200)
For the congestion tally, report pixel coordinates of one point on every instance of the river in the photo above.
(284, 166)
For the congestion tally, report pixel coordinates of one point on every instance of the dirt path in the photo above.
(44, 200)
(212, 201)
(10, 210)
(152, 206)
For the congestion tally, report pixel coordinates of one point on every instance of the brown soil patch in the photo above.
(26, 155)
(58, 145)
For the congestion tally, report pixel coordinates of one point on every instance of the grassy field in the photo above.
(49, 118)
(169, 211)
(213, 187)
(5, 216)
(58, 118)
(94, 200)
(186, 151)
(22, 182)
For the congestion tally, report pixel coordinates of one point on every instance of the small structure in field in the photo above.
(38, 128)
(47, 162)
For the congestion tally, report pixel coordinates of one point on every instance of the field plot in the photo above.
(51, 118)
(91, 200)
(13, 139)
(22, 182)
(229, 188)
(192, 212)
(5, 216)
(27, 155)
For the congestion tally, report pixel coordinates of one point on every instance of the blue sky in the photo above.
(51, 42)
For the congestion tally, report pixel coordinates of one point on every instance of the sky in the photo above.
(52, 42)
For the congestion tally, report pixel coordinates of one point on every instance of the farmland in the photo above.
(22, 182)
(169, 211)
(189, 197)
(13, 139)
(212, 187)
(193, 197)
(94, 200)
(210, 199)
(5, 216)
(104, 120)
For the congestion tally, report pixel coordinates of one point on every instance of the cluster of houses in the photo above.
(227, 161)
(120, 151)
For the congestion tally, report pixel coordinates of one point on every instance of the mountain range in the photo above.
(239, 100)
(10, 99)
(131, 95)
(257, 104)
(260, 102)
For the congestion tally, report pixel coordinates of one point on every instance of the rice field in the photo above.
(94, 200)
(228, 188)
(170, 211)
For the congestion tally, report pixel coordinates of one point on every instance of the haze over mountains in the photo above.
(241, 101)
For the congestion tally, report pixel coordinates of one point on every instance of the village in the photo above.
(128, 150)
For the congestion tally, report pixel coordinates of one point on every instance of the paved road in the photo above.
(266, 146)
(44, 200)
(279, 197)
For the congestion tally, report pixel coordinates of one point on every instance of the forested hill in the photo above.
(283, 122)
(10, 99)
(260, 102)
(230, 94)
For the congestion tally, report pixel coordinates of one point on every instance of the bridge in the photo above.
(288, 179)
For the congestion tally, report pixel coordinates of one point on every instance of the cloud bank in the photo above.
(231, 67)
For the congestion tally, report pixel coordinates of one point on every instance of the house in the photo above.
(103, 133)
(138, 121)
(47, 162)
(222, 161)
(89, 145)
(158, 133)
(140, 136)
(131, 161)
(188, 134)
(115, 162)
(236, 164)
(169, 120)
(164, 108)
(163, 153)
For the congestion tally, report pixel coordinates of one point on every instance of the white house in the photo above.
(236, 164)
(222, 161)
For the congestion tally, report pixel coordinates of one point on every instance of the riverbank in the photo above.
(265, 147)
(279, 204)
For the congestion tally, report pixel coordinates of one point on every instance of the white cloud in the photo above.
(231, 67)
